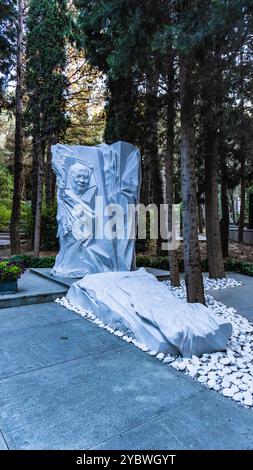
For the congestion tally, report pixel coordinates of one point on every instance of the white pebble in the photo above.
(227, 392)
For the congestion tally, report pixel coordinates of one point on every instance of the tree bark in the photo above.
(224, 225)
(49, 178)
(213, 238)
(37, 230)
(34, 176)
(251, 210)
(151, 147)
(233, 206)
(243, 193)
(243, 156)
(200, 216)
(19, 134)
(145, 198)
(192, 263)
(169, 170)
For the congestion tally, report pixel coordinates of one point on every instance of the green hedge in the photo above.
(242, 267)
(31, 262)
(160, 262)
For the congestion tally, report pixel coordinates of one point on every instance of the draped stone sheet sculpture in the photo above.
(138, 305)
(109, 174)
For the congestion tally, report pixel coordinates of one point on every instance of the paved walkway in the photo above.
(241, 298)
(32, 289)
(67, 384)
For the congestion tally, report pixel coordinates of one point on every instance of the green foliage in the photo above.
(161, 262)
(5, 215)
(241, 267)
(158, 262)
(7, 38)
(47, 25)
(10, 270)
(115, 37)
(6, 186)
(31, 262)
(49, 240)
(26, 218)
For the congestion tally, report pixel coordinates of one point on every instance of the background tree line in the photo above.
(173, 77)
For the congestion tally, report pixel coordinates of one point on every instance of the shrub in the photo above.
(31, 262)
(5, 215)
(10, 271)
(242, 267)
(159, 262)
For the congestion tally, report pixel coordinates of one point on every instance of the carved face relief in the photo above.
(79, 177)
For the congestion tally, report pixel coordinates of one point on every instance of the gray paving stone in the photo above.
(3, 445)
(81, 403)
(41, 346)
(67, 384)
(241, 298)
(205, 421)
(28, 316)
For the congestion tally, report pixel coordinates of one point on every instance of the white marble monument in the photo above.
(89, 180)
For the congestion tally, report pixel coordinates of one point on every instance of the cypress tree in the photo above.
(47, 25)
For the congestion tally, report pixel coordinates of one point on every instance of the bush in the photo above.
(31, 262)
(242, 267)
(5, 215)
(10, 270)
(159, 262)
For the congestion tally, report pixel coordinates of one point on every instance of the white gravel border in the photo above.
(230, 372)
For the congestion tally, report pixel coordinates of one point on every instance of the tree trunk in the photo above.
(251, 210)
(243, 158)
(243, 193)
(169, 171)
(18, 152)
(37, 229)
(224, 225)
(34, 176)
(200, 214)
(193, 275)
(233, 206)
(213, 238)
(151, 147)
(143, 245)
(49, 178)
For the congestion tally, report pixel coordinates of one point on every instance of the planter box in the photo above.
(8, 287)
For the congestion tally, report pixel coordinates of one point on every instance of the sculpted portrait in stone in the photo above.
(80, 196)
(83, 175)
